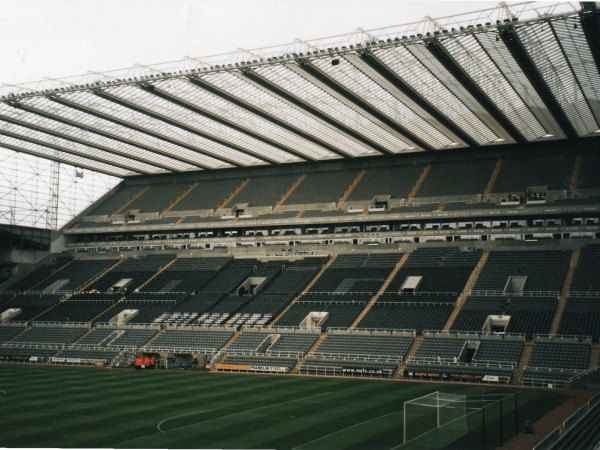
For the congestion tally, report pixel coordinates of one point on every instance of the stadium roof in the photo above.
(514, 74)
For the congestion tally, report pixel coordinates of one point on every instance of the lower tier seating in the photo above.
(407, 316)
(364, 346)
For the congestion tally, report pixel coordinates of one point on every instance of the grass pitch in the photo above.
(75, 407)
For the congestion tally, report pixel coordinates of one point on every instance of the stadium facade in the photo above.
(420, 201)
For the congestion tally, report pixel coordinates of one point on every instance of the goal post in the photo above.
(438, 411)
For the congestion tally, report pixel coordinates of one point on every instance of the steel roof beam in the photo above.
(102, 133)
(254, 110)
(151, 89)
(519, 53)
(70, 152)
(407, 91)
(82, 142)
(290, 99)
(440, 53)
(590, 23)
(14, 148)
(131, 126)
(363, 108)
(175, 123)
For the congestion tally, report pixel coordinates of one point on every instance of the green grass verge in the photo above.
(75, 407)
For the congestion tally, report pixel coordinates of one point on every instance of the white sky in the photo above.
(59, 38)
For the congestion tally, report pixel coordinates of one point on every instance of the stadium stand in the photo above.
(456, 178)
(395, 181)
(322, 187)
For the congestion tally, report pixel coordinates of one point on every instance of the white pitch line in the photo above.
(3, 392)
(222, 417)
(343, 429)
(181, 415)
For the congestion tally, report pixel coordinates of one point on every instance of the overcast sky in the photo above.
(58, 38)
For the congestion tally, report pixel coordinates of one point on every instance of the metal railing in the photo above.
(356, 356)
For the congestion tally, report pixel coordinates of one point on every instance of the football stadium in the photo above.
(387, 239)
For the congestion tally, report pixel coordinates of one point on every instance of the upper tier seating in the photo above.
(148, 310)
(77, 274)
(585, 276)
(545, 270)
(30, 305)
(137, 269)
(356, 273)
(590, 168)
(185, 275)
(158, 197)
(44, 271)
(528, 315)
(74, 311)
(457, 178)
(208, 194)
(322, 187)
(519, 173)
(443, 270)
(341, 314)
(396, 181)
(113, 203)
(265, 190)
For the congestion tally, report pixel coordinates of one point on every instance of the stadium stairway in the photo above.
(296, 368)
(32, 288)
(353, 185)
(219, 355)
(181, 197)
(153, 338)
(98, 276)
(233, 195)
(564, 293)
(594, 357)
(291, 190)
(162, 269)
(307, 288)
(419, 183)
(575, 176)
(381, 290)
(523, 361)
(493, 178)
(118, 360)
(411, 352)
(130, 201)
(460, 301)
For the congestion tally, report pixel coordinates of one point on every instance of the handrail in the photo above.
(356, 356)
(452, 361)
(498, 293)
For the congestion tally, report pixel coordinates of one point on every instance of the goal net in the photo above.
(440, 415)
